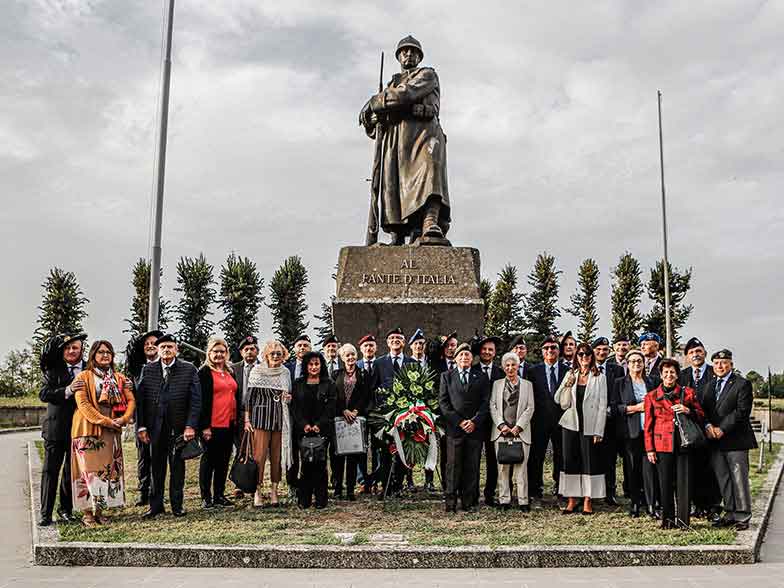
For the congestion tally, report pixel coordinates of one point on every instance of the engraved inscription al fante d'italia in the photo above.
(408, 278)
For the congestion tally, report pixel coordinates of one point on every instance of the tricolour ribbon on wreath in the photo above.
(419, 414)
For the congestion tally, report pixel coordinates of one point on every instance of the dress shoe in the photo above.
(668, 524)
(524, 508)
(722, 522)
(143, 501)
(65, 517)
(179, 512)
(634, 510)
(338, 495)
(469, 509)
(222, 501)
(207, 503)
(742, 525)
(429, 487)
(451, 508)
(611, 500)
(151, 514)
(491, 501)
(44, 521)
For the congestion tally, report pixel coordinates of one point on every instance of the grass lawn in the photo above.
(31, 401)
(420, 519)
(776, 403)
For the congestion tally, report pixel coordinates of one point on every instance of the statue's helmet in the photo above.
(408, 41)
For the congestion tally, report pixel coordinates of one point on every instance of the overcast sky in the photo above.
(550, 110)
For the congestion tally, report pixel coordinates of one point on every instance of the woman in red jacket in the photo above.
(663, 443)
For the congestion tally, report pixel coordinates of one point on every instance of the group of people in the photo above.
(590, 402)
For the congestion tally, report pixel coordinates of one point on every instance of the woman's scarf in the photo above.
(349, 381)
(109, 393)
(279, 378)
(670, 393)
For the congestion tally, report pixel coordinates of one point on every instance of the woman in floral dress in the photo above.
(104, 404)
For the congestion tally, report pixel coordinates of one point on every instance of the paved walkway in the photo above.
(16, 570)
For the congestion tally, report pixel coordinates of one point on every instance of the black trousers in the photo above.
(57, 456)
(333, 464)
(673, 470)
(293, 473)
(609, 449)
(160, 451)
(705, 488)
(214, 465)
(463, 455)
(491, 471)
(633, 457)
(543, 433)
(650, 483)
(348, 464)
(312, 483)
(143, 461)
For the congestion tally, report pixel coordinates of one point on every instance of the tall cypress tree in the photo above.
(140, 280)
(62, 308)
(486, 294)
(287, 295)
(326, 326)
(583, 302)
(505, 315)
(195, 283)
(240, 299)
(541, 303)
(625, 297)
(680, 284)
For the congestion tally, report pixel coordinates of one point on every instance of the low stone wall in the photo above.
(12, 416)
(777, 420)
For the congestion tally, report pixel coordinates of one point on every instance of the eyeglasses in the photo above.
(584, 354)
(103, 352)
(550, 347)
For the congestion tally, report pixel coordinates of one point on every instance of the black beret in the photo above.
(567, 335)
(463, 347)
(518, 340)
(722, 354)
(622, 337)
(71, 338)
(691, 344)
(395, 331)
(249, 340)
(166, 338)
(445, 339)
(551, 339)
(331, 339)
(600, 341)
(367, 338)
(488, 339)
(154, 333)
(302, 337)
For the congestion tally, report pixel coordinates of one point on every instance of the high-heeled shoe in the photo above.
(257, 501)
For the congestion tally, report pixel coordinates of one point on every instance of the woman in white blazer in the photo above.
(511, 409)
(583, 397)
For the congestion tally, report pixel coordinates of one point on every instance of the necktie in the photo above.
(71, 371)
(165, 373)
(451, 365)
(464, 377)
(696, 375)
(487, 371)
(397, 363)
(370, 367)
(331, 367)
(719, 383)
(553, 380)
(601, 368)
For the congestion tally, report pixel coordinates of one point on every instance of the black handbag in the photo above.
(313, 450)
(245, 471)
(509, 451)
(188, 449)
(692, 436)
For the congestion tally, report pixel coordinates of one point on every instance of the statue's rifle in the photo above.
(375, 197)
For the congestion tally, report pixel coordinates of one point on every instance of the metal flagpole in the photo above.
(770, 411)
(160, 173)
(667, 319)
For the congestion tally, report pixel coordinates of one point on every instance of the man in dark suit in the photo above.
(169, 400)
(705, 489)
(650, 343)
(329, 351)
(446, 359)
(368, 347)
(728, 401)
(621, 347)
(144, 351)
(249, 351)
(568, 349)
(612, 447)
(546, 378)
(519, 347)
(486, 349)
(61, 363)
(464, 401)
(302, 345)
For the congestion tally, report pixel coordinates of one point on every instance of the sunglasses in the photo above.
(584, 354)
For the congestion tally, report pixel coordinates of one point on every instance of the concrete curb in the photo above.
(48, 551)
(19, 430)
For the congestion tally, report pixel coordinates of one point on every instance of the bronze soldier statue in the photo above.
(409, 188)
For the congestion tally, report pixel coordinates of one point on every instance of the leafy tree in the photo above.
(760, 384)
(583, 302)
(505, 315)
(626, 294)
(140, 304)
(287, 293)
(327, 325)
(680, 284)
(240, 299)
(62, 309)
(486, 294)
(18, 373)
(195, 284)
(541, 303)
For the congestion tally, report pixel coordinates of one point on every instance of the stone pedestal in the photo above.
(433, 288)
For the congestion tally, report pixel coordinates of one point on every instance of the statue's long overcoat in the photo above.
(414, 148)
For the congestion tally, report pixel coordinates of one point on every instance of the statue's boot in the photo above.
(430, 227)
(398, 238)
